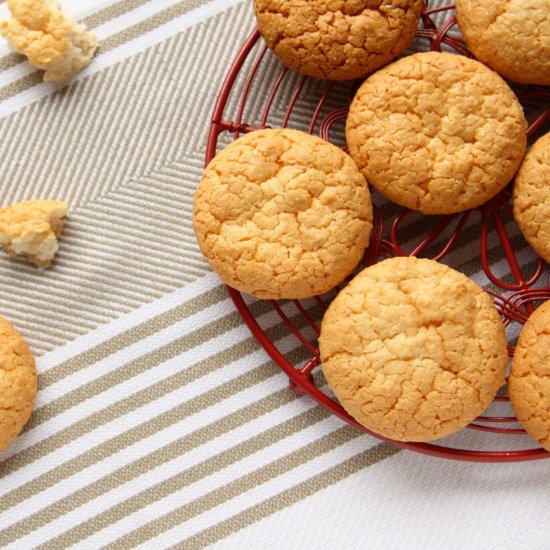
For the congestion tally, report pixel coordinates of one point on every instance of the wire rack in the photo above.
(259, 92)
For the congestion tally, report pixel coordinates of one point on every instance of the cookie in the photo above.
(413, 349)
(282, 214)
(337, 39)
(31, 229)
(510, 36)
(532, 197)
(51, 41)
(529, 382)
(436, 132)
(17, 383)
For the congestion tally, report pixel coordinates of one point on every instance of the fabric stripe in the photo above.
(101, 417)
(11, 60)
(300, 491)
(145, 362)
(113, 11)
(185, 409)
(236, 487)
(180, 379)
(131, 336)
(193, 474)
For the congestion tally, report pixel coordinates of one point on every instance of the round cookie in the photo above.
(532, 197)
(436, 132)
(282, 214)
(529, 382)
(337, 39)
(17, 383)
(413, 349)
(510, 36)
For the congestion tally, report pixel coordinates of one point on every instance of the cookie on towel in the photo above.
(31, 229)
(510, 36)
(413, 349)
(52, 42)
(282, 214)
(17, 383)
(529, 382)
(532, 197)
(436, 132)
(337, 39)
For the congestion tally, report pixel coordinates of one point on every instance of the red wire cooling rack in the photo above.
(515, 283)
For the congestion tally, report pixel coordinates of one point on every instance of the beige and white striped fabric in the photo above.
(160, 421)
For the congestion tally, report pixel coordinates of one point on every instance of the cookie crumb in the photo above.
(52, 42)
(32, 229)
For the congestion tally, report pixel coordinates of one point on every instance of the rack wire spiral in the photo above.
(517, 284)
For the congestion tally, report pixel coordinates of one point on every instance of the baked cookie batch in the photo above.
(412, 349)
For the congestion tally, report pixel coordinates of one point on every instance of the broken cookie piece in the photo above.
(31, 229)
(51, 41)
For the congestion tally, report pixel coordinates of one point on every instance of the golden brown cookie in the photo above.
(510, 36)
(337, 39)
(51, 41)
(529, 382)
(31, 229)
(413, 349)
(282, 214)
(532, 197)
(436, 132)
(17, 383)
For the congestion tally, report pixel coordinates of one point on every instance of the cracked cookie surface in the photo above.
(337, 39)
(52, 42)
(510, 36)
(532, 197)
(436, 132)
(17, 383)
(529, 383)
(413, 349)
(32, 229)
(282, 214)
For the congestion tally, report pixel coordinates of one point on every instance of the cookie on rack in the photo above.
(282, 214)
(532, 197)
(413, 349)
(337, 40)
(510, 36)
(17, 383)
(436, 132)
(529, 382)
